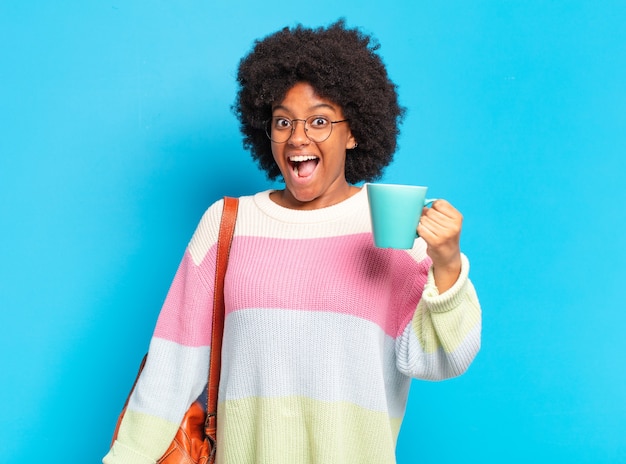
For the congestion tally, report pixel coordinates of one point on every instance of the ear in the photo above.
(350, 142)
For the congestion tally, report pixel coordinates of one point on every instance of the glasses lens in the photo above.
(316, 128)
(279, 129)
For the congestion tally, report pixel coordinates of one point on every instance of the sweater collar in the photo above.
(349, 206)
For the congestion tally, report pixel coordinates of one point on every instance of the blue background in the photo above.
(117, 133)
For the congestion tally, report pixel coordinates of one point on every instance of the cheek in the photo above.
(276, 151)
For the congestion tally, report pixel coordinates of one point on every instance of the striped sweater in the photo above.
(323, 333)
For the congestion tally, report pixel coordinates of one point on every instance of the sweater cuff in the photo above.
(122, 454)
(451, 298)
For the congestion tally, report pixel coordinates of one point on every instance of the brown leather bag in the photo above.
(195, 442)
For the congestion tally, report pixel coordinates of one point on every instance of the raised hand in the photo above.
(440, 227)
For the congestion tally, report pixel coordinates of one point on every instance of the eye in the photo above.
(282, 123)
(318, 122)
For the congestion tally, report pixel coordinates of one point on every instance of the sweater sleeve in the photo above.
(443, 336)
(176, 368)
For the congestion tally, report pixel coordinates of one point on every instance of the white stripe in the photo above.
(323, 356)
(206, 233)
(174, 376)
(414, 362)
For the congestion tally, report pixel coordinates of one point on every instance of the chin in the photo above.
(303, 198)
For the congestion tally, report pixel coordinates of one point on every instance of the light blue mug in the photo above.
(395, 212)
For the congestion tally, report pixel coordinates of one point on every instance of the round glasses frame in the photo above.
(314, 133)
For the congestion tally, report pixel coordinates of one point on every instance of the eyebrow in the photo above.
(314, 107)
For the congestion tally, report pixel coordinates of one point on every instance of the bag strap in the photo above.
(224, 241)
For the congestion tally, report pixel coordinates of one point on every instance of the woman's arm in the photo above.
(443, 337)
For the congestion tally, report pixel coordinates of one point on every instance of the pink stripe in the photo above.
(345, 274)
(186, 314)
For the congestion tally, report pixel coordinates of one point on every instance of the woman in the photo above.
(323, 331)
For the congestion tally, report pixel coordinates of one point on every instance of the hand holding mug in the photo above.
(440, 227)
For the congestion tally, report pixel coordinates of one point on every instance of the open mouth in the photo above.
(303, 165)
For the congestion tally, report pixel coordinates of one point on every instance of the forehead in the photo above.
(302, 97)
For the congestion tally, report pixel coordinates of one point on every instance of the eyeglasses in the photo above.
(317, 128)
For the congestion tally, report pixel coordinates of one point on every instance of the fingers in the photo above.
(440, 227)
(441, 221)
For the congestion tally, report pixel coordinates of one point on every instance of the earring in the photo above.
(355, 145)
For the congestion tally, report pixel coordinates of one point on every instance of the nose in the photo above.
(298, 133)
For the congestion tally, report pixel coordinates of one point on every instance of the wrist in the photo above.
(447, 273)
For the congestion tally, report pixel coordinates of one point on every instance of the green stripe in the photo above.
(150, 436)
(301, 430)
(446, 329)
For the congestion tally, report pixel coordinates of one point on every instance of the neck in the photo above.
(285, 198)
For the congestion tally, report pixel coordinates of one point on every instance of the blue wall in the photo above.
(116, 133)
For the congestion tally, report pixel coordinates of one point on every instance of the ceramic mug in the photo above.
(395, 212)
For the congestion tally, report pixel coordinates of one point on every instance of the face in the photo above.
(314, 172)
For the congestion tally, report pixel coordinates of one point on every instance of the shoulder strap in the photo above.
(227, 227)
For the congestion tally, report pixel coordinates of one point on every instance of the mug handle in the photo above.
(427, 202)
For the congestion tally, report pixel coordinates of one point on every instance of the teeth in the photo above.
(300, 158)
